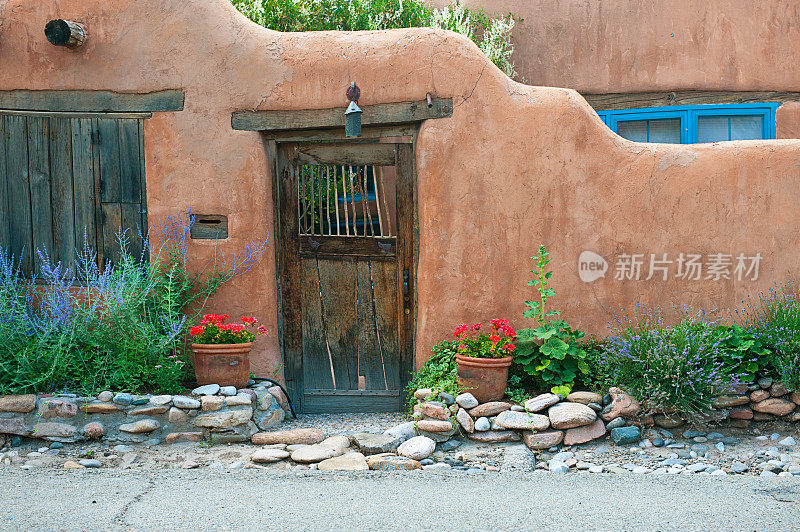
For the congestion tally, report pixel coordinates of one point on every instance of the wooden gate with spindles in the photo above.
(346, 225)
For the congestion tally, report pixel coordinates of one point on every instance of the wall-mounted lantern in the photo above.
(64, 33)
(352, 116)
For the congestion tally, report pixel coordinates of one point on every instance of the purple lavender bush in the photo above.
(120, 327)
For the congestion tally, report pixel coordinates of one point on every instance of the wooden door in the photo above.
(69, 181)
(345, 272)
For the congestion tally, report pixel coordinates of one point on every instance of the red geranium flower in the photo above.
(494, 338)
(197, 329)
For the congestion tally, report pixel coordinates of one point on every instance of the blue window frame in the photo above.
(690, 124)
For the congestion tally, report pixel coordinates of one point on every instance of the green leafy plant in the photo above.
(742, 352)
(492, 35)
(551, 352)
(774, 320)
(438, 373)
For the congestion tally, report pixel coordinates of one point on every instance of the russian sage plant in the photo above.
(679, 368)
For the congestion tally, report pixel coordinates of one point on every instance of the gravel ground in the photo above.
(258, 500)
(345, 423)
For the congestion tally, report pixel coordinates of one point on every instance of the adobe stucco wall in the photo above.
(605, 46)
(514, 167)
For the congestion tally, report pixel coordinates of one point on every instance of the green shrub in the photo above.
(552, 352)
(492, 35)
(438, 373)
(774, 320)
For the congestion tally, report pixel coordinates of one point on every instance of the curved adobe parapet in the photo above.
(514, 167)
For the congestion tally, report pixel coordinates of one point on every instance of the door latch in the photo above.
(406, 297)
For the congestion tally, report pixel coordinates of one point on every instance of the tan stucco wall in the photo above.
(514, 167)
(602, 46)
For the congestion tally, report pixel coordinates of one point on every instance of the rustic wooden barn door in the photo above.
(345, 270)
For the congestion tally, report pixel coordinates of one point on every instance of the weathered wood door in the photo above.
(65, 180)
(345, 270)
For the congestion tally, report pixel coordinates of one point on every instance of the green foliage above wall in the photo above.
(492, 35)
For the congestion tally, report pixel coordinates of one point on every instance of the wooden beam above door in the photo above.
(91, 101)
(378, 114)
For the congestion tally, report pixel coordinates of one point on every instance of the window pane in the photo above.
(635, 130)
(712, 129)
(747, 127)
(665, 130)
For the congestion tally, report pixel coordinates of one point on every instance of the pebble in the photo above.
(189, 464)
(689, 434)
(123, 399)
(208, 389)
(89, 463)
(658, 442)
(558, 467)
(56, 445)
(230, 391)
(466, 400)
(596, 469)
(446, 398)
(482, 424)
(788, 442)
(615, 423)
(774, 436)
(720, 447)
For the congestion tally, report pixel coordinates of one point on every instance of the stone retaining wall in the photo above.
(548, 420)
(209, 413)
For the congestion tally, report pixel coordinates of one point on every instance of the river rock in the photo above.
(489, 409)
(434, 410)
(69, 464)
(289, 437)
(94, 430)
(123, 399)
(269, 456)
(240, 399)
(140, 427)
(570, 415)
(540, 402)
(345, 462)
(154, 410)
(622, 405)
(585, 398)
(227, 390)
(625, 435)
(482, 424)
(403, 431)
(522, 421)
(495, 436)
(175, 437)
(434, 425)
(18, 403)
(759, 395)
(337, 443)
(105, 396)
(422, 394)
(212, 403)
(729, 401)
(668, 421)
(417, 448)
(314, 453)
(54, 407)
(466, 400)
(586, 433)
(225, 419)
(465, 420)
(392, 462)
(375, 443)
(208, 389)
(160, 400)
(181, 401)
(542, 440)
(49, 430)
(90, 463)
(99, 408)
(775, 406)
(268, 420)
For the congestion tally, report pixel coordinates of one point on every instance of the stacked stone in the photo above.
(763, 400)
(398, 448)
(220, 414)
(549, 420)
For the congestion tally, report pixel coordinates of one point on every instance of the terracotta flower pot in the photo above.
(485, 378)
(223, 364)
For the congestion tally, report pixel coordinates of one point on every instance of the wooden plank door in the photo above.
(69, 182)
(345, 269)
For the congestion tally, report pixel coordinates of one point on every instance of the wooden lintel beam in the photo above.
(91, 101)
(378, 114)
(603, 102)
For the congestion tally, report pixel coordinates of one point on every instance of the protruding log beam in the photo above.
(64, 33)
